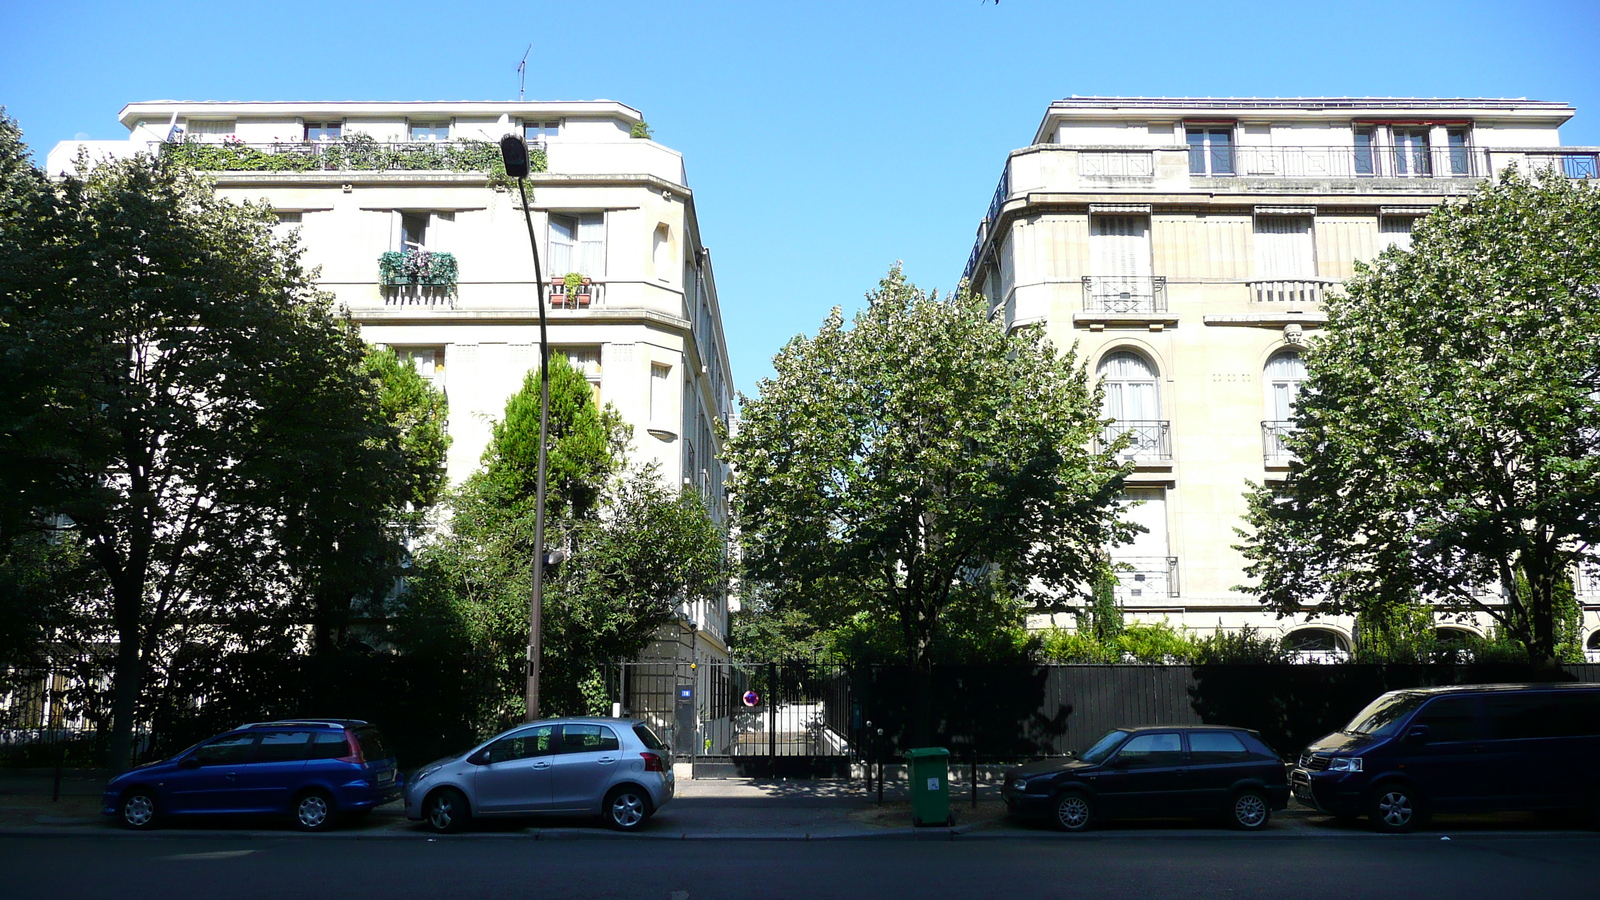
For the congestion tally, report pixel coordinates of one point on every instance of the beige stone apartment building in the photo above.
(1185, 246)
(396, 205)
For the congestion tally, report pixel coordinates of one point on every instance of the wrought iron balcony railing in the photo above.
(1145, 577)
(1273, 450)
(1152, 439)
(1289, 290)
(1125, 293)
(1572, 165)
(1344, 162)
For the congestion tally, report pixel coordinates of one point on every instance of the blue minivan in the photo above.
(314, 771)
(1462, 749)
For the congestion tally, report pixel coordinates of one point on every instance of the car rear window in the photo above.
(580, 738)
(647, 736)
(372, 744)
(283, 746)
(1216, 746)
(329, 745)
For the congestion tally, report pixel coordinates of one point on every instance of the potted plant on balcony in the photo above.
(572, 285)
(583, 293)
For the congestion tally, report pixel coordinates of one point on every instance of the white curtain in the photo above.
(1119, 246)
(1130, 383)
(1285, 373)
(1147, 507)
(1284, 249)
(563, 243)
(592, 245)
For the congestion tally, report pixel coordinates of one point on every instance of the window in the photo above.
(1411, 152)
(660, 251)
(1285, 373)
(1160, 749)
(588, 739)
(578, 244)
(1130, 384)
(1460, 159)
(1210, 149)
(1216, 746)
(661, 396)
(209, 129)
(586, 362)
(413, 231)
(226, 751)
(1450, 719)
(428, 361)
(284, 746)
(1366, 140)
(330, 745)
(647, 737)
(1395, 231)
(324, 131)
(1284, 248)
(429, 132)
(1565, 714)
(1119, 264)
(522, 745)
(541, 131)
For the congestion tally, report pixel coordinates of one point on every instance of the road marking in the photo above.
(214, 854)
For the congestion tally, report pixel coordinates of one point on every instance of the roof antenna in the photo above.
(522, 74)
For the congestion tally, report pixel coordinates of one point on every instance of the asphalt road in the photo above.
(1133, 864)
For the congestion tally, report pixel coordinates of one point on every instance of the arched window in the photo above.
(1132, 394)
(1133, 398)
(1316, 640)
(1453, 636)
(1592, 648)
(1285, 373)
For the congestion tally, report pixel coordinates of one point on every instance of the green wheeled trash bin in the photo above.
(929, 771)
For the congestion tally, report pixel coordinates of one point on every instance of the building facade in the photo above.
(1185, 246)
(399, 208)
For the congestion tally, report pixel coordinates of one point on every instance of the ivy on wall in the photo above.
(419, 267)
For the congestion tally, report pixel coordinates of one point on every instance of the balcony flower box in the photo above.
(421, 268)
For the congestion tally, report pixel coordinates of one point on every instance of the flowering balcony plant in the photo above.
(420, 267)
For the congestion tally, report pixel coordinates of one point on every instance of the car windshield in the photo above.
(1382, 716)
(1103, 747)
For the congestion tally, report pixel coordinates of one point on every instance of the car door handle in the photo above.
(541, 765)
(606, 760)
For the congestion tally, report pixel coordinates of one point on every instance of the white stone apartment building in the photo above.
(1185, 246)
(395, 204)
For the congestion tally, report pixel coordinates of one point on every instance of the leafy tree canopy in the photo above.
(1448, 431)
(891, 465)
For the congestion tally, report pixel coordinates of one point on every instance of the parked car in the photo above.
(1473, 748)
(614, 768)
(1162, 771)
(315, 771)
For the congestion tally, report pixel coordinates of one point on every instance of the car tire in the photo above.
(445, 811)
(138, 810)
(627, 808)
(1072, 811)
(1249, 810)
(1394, 808)
(313, 810)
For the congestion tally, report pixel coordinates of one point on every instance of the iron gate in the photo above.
(740, 719)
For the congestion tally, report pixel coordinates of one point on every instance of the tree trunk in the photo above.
(127, 678)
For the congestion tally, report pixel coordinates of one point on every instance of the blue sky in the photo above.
(824, 140)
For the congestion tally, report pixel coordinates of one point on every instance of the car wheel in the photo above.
(1249, 811)
(1073, 812)
(313, 811)
(139, 810)
(446, 811)
(627, 808)
(1394, 808)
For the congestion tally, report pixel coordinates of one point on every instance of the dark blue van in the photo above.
(314, 771)
(1471, 748)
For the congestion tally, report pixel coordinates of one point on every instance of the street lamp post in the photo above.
(514, 153)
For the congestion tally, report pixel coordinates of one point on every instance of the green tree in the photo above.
(179, 400)
(637, 552)
(1448, 431)
(920, 452)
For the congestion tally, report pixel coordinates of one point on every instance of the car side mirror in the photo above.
(481, 758)
(1418, 734)
(189, 762)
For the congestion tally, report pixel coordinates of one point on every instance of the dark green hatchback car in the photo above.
(1159, 771)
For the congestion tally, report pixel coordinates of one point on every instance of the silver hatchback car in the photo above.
(614, 768)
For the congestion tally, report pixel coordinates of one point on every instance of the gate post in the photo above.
(772, 716)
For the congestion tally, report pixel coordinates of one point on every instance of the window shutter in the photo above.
(1284, 249)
